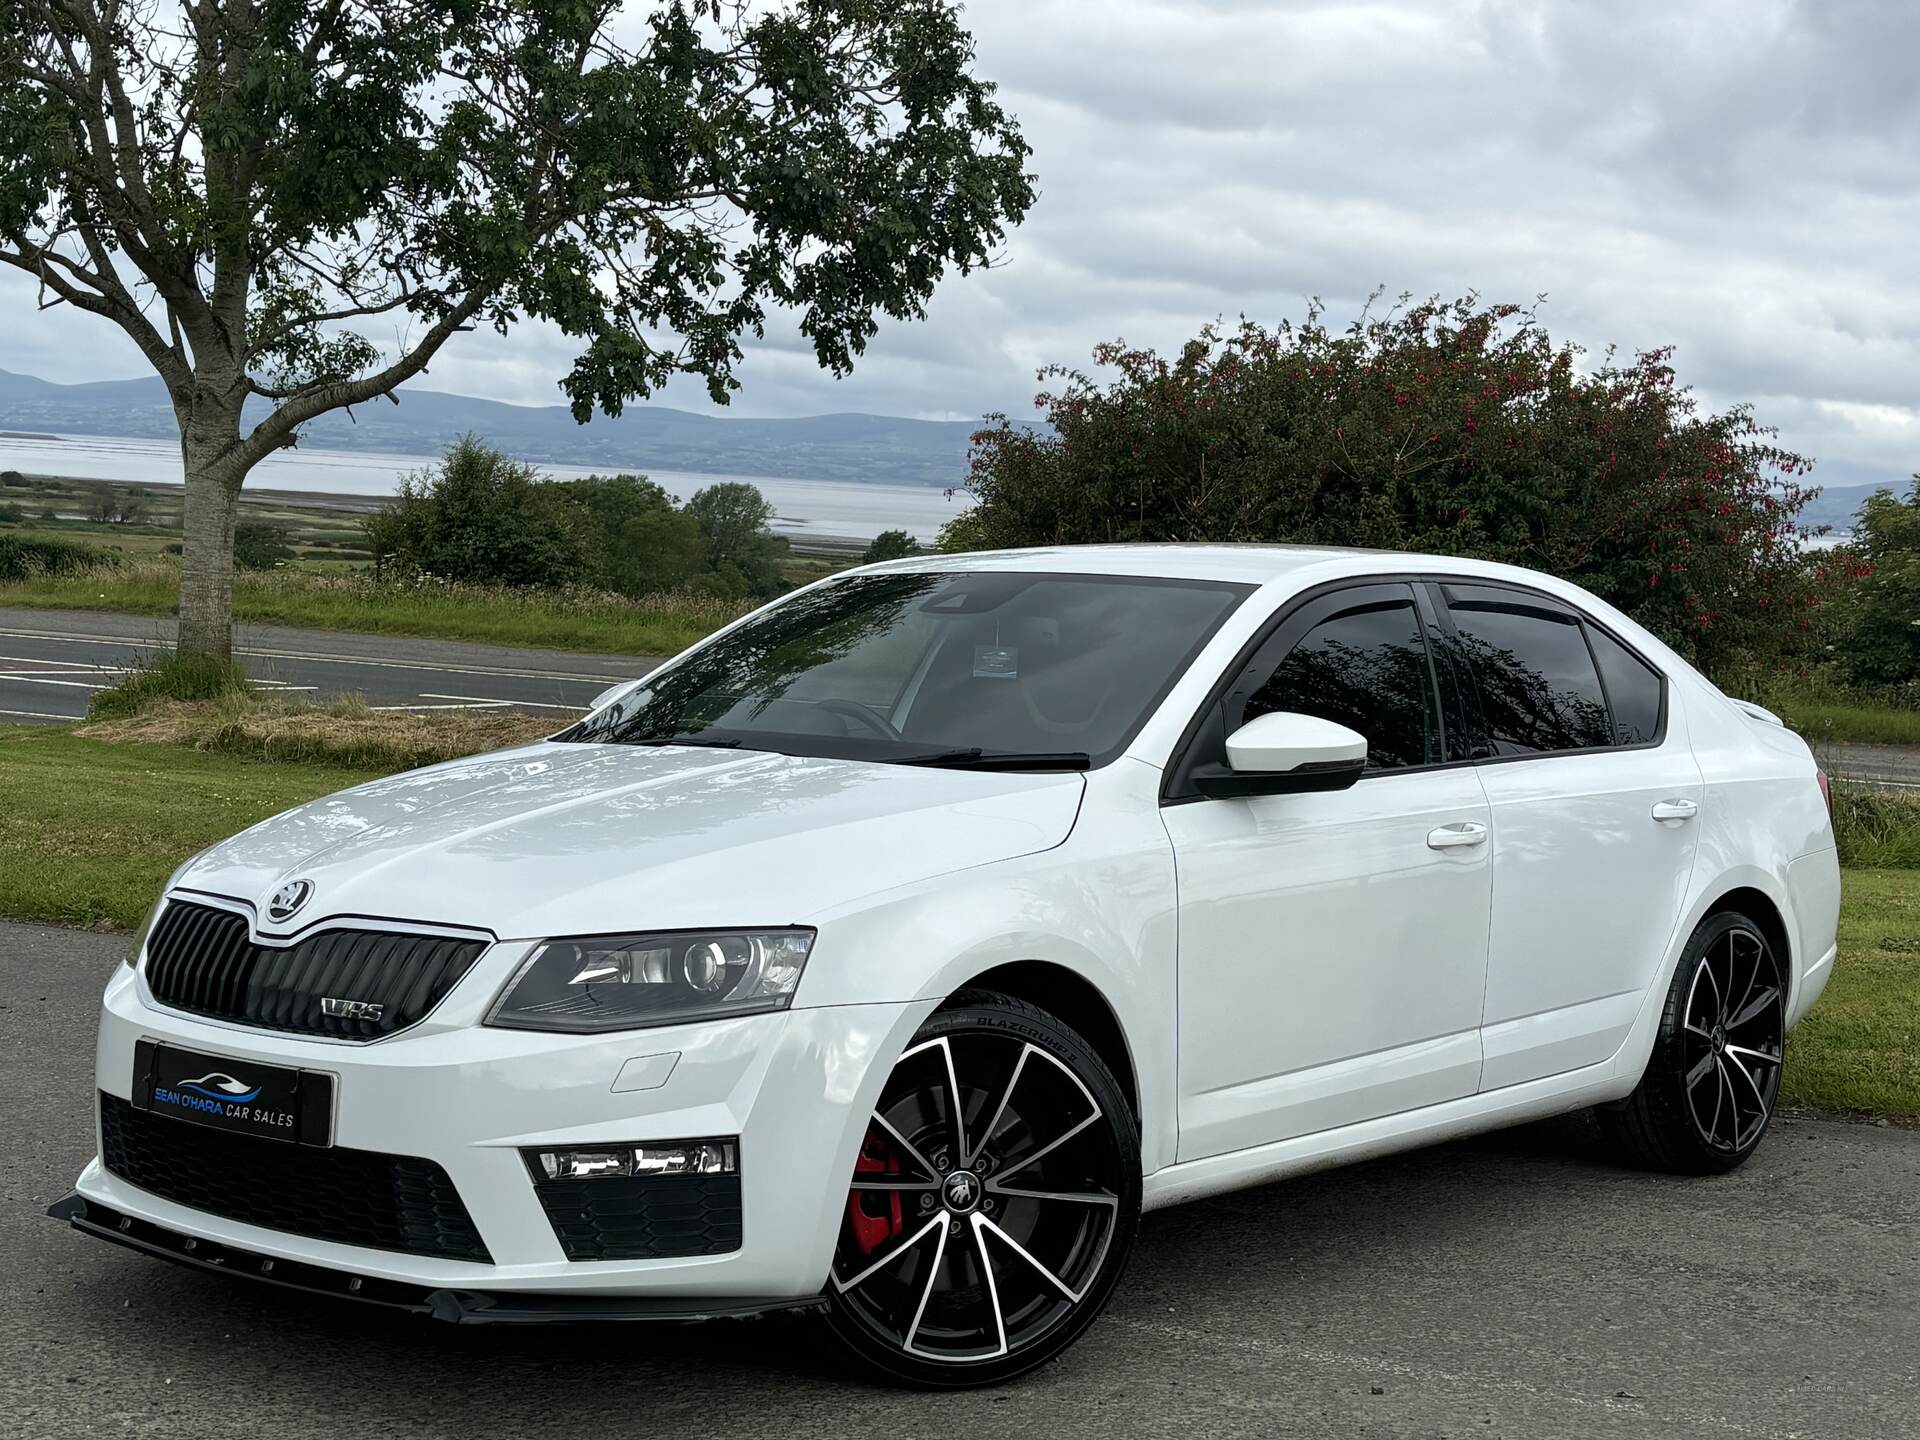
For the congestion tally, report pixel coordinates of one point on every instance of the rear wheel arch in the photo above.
(1759, 908)
(1077, 1003)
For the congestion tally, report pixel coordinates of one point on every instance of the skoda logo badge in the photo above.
(289, 898)
(962, 1190)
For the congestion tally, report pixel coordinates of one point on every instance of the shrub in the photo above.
(1879, 626)
(259, 546)
(889, 545)
(171, 677)
(1458, 428)
(11, 514)
(480, 516)
(22, 558)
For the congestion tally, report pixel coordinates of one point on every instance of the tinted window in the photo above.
(1633, 689)
(1367, 669)
(908, 666)
(1537, 685)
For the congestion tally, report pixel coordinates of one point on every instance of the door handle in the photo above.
(1675, 810)
(1457, 837)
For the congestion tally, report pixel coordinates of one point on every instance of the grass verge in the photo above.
(1826, 711)
(593, 621)
(1860, 1048)
(345, 733)
(1877, 829)
(92, 829)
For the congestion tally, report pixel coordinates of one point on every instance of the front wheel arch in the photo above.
(1073, 1000)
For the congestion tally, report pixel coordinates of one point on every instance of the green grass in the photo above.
(1860, 1048)
(583, 620)
(1823, 709)
(90, 831)
(1877, 829)
(171, 677)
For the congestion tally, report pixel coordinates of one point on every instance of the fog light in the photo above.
(655, 1157)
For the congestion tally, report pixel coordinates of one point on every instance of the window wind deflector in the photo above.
(974, 758)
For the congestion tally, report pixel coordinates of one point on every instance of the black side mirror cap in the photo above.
(1220, 782)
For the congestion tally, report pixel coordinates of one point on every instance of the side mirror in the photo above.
(1286, 754)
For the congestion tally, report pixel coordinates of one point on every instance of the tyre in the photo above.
(1704, 1104)
(994, 1202)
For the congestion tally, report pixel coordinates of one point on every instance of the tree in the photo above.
(889, 545)
(297, 204)
(642, 541)
(733, 516)
(1881, 619)
(480, 516)
(259, 546)
(1458, 428)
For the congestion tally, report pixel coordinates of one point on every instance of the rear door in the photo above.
(1594, 794)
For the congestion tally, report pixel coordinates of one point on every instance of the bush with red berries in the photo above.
(1456, 428)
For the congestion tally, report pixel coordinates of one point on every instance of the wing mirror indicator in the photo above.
(1285, 753)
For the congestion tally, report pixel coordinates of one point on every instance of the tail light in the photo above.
(1826, 789)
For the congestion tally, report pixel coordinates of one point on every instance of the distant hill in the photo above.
(879, 448)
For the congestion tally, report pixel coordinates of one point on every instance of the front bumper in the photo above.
(796, 1087)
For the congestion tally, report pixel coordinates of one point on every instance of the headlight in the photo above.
(623, 982)
(153, 913)
(146, 929)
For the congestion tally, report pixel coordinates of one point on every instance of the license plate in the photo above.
(242, 1097)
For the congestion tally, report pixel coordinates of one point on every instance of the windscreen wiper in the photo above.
(975, 758)
(682, 740)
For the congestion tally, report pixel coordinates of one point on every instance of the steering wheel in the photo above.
(869, 718)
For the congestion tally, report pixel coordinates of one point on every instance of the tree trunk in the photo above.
(206, 560)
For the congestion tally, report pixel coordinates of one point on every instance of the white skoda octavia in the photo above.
(892, 950)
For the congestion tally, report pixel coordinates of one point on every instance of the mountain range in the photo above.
(873, 448)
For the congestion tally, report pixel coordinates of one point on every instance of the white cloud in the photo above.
(1740, 178)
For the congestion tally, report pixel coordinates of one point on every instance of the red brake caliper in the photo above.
(874, 1216)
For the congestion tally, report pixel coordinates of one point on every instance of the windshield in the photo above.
(987, 669)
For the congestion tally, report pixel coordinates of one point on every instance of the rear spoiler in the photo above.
(1759, 712)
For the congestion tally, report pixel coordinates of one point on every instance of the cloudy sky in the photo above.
(1740, 178)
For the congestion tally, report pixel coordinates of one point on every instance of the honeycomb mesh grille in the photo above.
(352, 1197)
(644, 1217)
(202, 959)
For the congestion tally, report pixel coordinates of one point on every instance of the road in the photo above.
(1888, 767)
(51, 661)
(1513, 1287)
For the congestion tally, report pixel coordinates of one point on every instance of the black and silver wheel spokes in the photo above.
(984, 1201)
(1735, 1033)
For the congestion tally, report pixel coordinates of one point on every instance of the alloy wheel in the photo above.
(984, 1207)
(1734, 1034)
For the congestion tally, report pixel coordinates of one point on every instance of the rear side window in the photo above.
(1538, 687)
(1633, 687)
(1366, 668)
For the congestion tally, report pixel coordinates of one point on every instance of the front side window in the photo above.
(1538, 688)
(1366, 668)
(929, 667)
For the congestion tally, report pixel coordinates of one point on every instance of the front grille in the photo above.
(643, 1217)
(203, 959)
(352, 1197)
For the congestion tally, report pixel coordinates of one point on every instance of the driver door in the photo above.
(1333, 946)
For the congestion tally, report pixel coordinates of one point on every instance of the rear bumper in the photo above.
(459, 1307)
(796, 1087)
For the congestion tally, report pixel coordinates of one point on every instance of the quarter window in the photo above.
(1539, 689)
(1367, 669)
(1633, 689)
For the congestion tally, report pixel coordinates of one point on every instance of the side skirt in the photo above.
(1431, 1125)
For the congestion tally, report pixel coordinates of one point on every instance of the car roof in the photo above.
(1250, 564)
